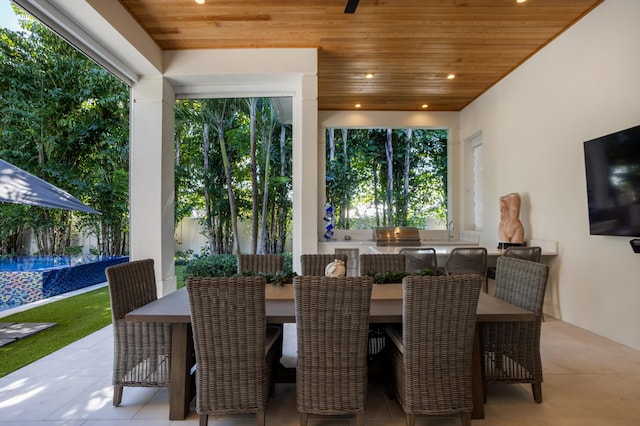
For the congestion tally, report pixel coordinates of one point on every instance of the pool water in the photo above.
(37, 263)
(27, 279)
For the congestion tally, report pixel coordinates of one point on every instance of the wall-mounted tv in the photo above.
(612, 165)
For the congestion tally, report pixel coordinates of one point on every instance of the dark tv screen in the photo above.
(612, 165)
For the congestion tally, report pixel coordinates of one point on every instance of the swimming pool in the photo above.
(26, 279)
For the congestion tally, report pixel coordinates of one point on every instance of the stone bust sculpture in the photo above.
(510, 229)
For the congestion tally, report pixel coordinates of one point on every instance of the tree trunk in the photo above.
(253, 103)
(265, 195)
(282, 207)
(269, 124)
(407, 166)
(207, 197)
(389, 151)
(344, 205)
(332, 146)
(376, 191)
(229, 183)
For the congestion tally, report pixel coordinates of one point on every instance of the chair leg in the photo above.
(411, 419)
(204, 419)
(260, 418)
(360, 419)
(303, 419)
(465, 418)
(537, 392)
(117, 395)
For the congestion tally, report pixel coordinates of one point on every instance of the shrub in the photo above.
(182, 257)
(219, 265)
(226, 265)
(73, 250)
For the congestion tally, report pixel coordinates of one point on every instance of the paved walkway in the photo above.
(13, 331)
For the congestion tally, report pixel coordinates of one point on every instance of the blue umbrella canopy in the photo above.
(20, 187)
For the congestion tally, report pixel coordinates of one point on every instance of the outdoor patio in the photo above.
(589, 380)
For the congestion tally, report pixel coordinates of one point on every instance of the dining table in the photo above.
(174, 309)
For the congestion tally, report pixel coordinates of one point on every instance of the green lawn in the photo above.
(77, 317)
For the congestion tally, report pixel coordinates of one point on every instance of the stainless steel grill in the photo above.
(396, 236)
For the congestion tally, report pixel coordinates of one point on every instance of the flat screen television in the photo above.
(612, 165)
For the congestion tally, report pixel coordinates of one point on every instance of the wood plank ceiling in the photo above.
(410, 46)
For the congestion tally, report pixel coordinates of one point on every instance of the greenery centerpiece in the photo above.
(279, 278)
(396, 277)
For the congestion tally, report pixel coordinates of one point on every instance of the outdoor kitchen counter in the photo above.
(354, 248)
(369, 246)
(443, 248)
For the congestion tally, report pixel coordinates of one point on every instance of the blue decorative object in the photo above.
(328, 221)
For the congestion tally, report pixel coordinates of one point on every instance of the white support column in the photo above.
(151, 178)
(305, 169)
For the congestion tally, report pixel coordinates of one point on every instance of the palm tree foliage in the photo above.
(387, 177)
(234, 166)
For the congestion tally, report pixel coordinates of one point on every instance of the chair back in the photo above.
(142, 351)
(467, 260)
(229, 322)
(256, 263)
(526, 253)
(522, 283)
(332, 322)
(511, 350)
(417, 260)
(131, 285)
(382, 263)
(439, 316)
(315, 264)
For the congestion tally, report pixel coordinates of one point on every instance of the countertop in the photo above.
(442, 248)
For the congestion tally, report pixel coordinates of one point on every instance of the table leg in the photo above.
(476, 379)
(180, 386)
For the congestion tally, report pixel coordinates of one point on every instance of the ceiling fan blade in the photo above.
(351, 6)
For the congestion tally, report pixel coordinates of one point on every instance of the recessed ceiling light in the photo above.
(200, 1)
(424, 106)
(358, 105)
(369, 75)
(520, 1)
(451, 76)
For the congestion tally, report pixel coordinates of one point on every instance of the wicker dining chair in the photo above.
(526, 253)
(419, 259)
(142, 351)
(381, 263)
(467, 260)
(511, 350)
(235, 350)
(315, 264)
(256, 263)
(332, 322)
(431, 354)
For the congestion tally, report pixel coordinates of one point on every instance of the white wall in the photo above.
(585, 84)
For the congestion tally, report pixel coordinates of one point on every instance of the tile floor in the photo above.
(589, 381)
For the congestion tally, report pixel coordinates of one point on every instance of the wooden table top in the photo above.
(174, 308)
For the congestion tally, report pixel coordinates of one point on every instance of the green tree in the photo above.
(226, 155)
(387, 176)
(65, 119)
